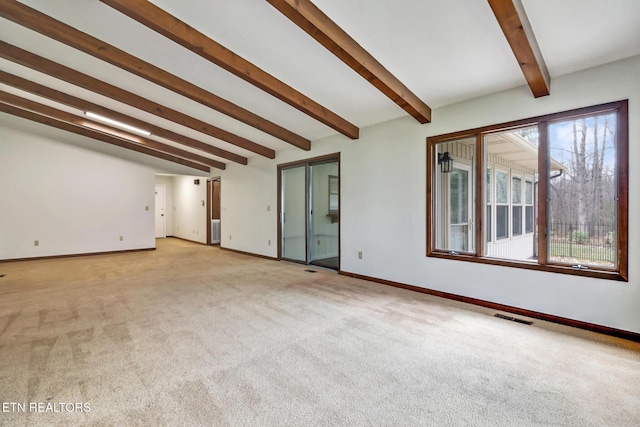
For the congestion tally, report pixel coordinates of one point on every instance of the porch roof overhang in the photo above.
(517, 149)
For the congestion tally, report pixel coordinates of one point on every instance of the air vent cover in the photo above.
(513, 319)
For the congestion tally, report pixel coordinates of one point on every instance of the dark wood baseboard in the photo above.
(250, 254)
(38, 258)
(618, 333)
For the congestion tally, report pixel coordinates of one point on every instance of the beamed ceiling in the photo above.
(218, 81)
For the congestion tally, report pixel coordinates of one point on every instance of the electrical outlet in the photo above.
(229, 236)
(268, 208)
(318, 242)
(360, 255)
(121, 238)
(36, 243)
(269, 242)
(146, 208)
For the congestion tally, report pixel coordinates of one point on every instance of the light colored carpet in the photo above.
(192, 335)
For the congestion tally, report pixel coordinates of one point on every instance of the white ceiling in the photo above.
(444, 51)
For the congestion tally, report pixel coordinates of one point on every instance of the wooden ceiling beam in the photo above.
(52, 28)
(86, 127)
(48, 121)
(72, 101)
(171, 27)
(314, 22)
(85, 81)
(515, 25)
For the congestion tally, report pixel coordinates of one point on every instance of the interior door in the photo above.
(160, 207)
(460, 213)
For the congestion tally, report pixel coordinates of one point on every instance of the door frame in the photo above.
(328, 158)
(210, 206)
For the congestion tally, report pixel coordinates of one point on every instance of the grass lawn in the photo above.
(591, 254)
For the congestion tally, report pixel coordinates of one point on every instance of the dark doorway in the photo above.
(213, 211)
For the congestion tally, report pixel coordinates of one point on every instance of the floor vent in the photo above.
(311, 271)
(513, 319)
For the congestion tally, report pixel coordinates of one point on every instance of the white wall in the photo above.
(383, 214)
(189, 208)
(167, 181)
(71, 199)
(249, 213)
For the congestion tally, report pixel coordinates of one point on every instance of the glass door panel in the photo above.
(459, 209)
(324, 208)
(294, 216)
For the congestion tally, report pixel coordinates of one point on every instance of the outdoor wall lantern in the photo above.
(445, 161)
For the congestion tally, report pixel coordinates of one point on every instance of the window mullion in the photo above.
(622, 185)
(481, 166)
(543, 192)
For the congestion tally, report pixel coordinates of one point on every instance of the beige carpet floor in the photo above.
(192, 335)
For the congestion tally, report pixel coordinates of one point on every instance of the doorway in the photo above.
(460, 208)
(309, 212)
(160, 207)
(213, 211)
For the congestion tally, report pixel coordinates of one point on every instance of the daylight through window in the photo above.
(554, 193)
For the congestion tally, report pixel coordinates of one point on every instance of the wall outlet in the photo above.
(268, 208)
(36, 243)
(269, 242)
(318, 242)
(121, 238)
(359, 254)
(146, 208)
(229, 236)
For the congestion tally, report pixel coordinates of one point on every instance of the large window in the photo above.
(554, 193)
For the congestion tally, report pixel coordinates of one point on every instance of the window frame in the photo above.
(489, 204)
(620, 272)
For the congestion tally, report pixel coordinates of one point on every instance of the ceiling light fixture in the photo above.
(117, 123)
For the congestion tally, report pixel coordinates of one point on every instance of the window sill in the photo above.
(550, 268)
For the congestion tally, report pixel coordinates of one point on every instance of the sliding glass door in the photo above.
(310, 212)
